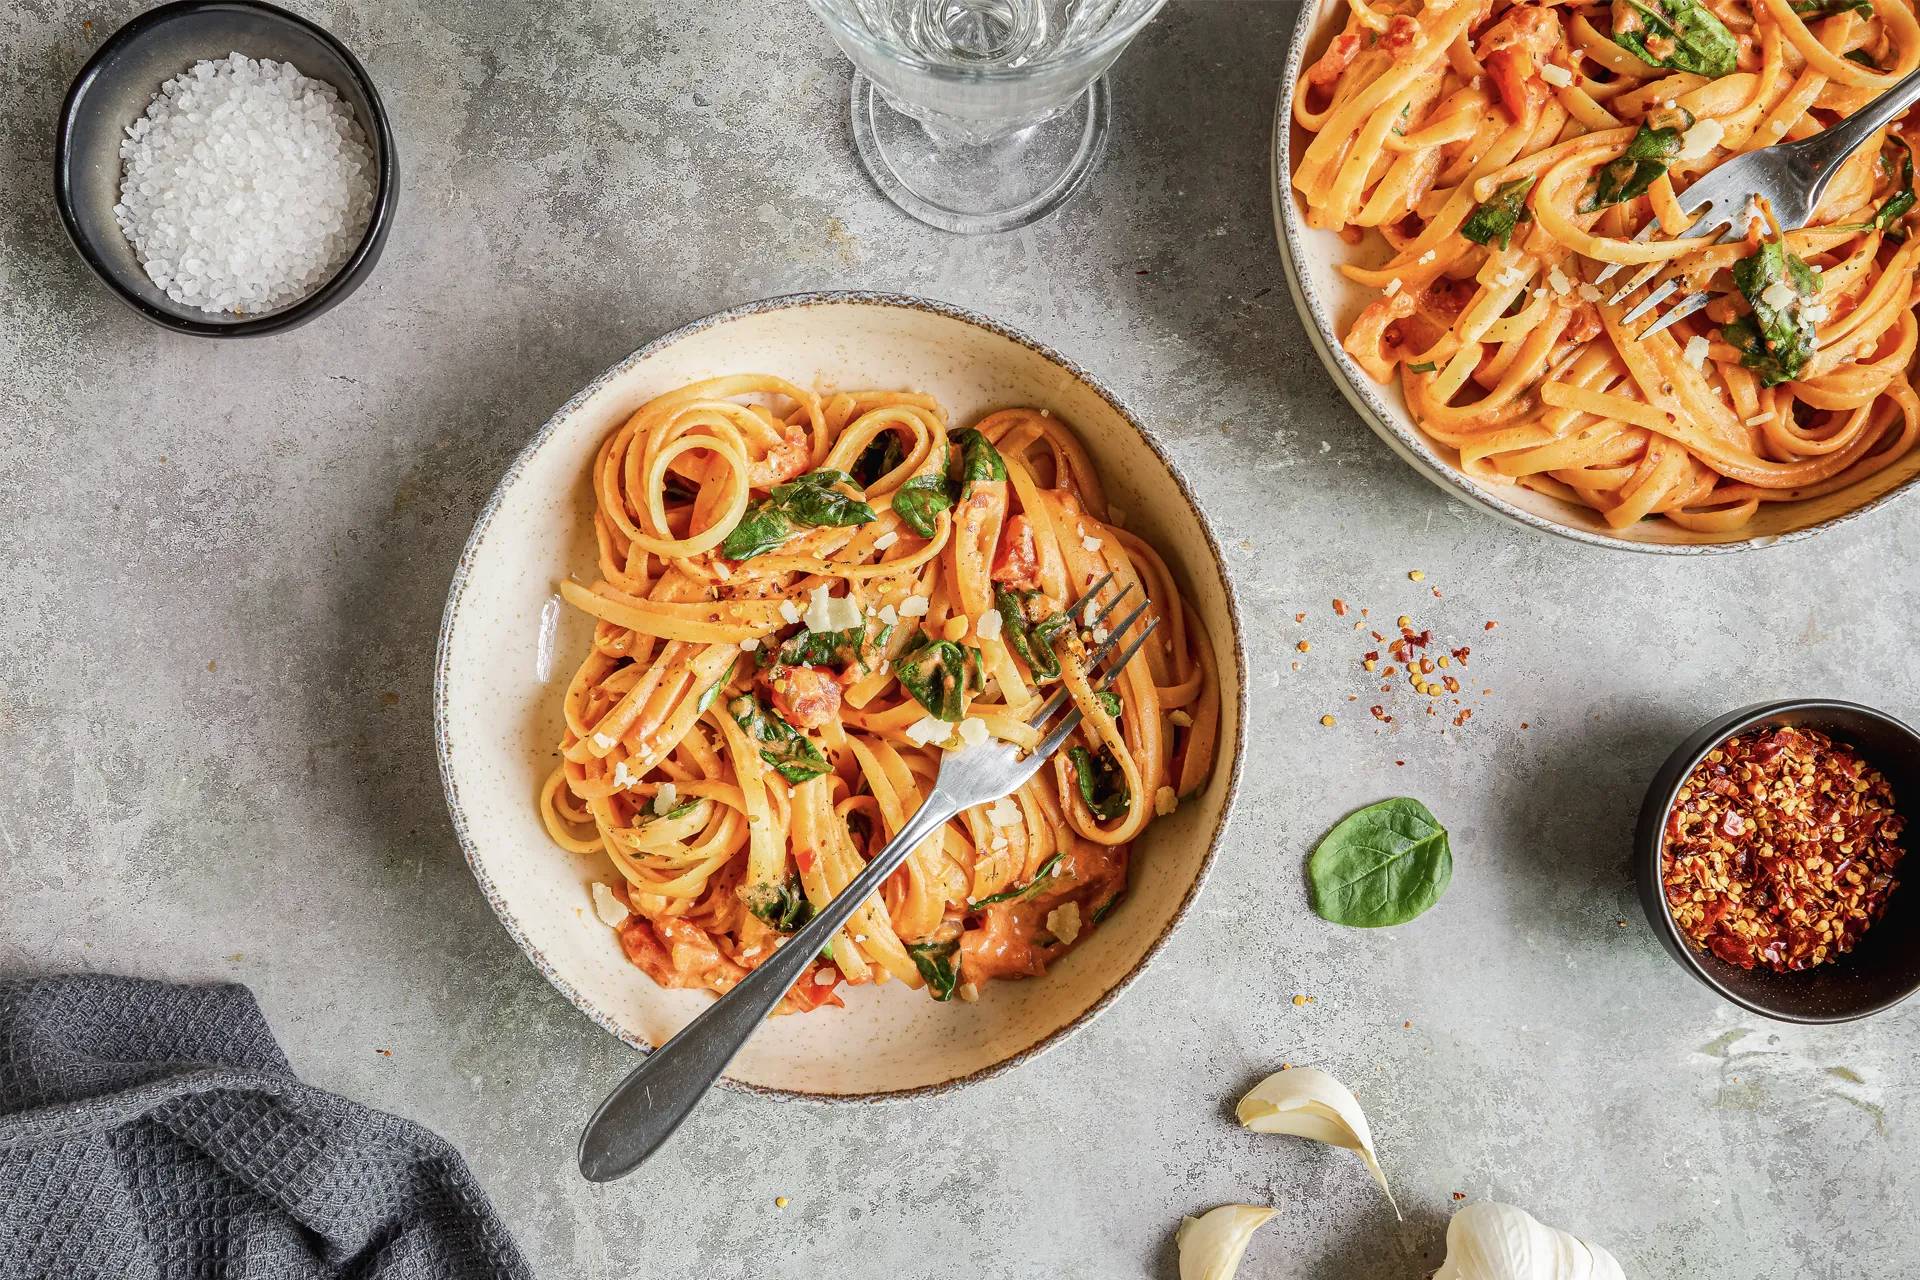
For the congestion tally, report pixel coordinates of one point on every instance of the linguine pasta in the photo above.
(803, 600)
(1509, 153)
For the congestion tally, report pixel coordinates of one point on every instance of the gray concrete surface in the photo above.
(224, 566)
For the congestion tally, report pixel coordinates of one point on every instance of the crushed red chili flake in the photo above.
(1460, 655)
(1340, 607)
(1492, 625)
(1380, 714)
(1780, 850)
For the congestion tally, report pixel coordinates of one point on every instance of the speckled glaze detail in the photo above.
(1318, 304)
(1219, 799)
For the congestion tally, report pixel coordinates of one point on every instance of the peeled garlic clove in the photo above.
(1212, 1244)
(1492, 1241)
(1308, 1103)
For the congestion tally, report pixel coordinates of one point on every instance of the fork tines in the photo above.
(1704, 224)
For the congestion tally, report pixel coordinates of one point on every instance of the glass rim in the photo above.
(839, 28)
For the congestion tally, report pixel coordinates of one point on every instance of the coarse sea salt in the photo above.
(245, 186)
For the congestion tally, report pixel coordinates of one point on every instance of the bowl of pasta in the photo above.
(713, 631)
(1473, 202)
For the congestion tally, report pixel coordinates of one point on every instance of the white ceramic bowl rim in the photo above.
(840, 297)
(1362, 392)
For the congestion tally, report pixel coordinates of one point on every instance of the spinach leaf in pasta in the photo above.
(811, 501)
(936, 962)
(788, 750)
(712, 691)
(1645, 160)
(1383, 865)
(783, 907)
(936, 675)
(922, 498)
(979, 460)
(1023, 892)
(1681, 34)
(1028, 639)
(1827, 8)
(1496, 218)
(1776, 341)
(1901, 202)
(1102, 785)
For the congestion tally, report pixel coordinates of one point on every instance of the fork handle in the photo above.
(1825, 150)
(644, 1109)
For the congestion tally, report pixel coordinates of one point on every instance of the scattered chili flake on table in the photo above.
(1780, 850)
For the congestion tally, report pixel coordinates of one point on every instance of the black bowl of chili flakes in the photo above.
(1769, 857)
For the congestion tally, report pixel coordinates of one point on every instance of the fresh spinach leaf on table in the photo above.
(1383, 865)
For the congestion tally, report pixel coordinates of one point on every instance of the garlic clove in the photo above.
(1308, 1103)
(1492, 1241)
(1212, 1244)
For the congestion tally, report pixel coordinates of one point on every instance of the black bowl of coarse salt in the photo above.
(226, 168)
(1771, 855)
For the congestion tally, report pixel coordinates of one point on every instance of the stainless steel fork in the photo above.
(643, 1110)
(1790, 176)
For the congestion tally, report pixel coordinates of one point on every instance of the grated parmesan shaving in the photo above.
(612, 912)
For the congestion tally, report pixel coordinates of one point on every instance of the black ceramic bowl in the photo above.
(1884, 968)
(115, 87)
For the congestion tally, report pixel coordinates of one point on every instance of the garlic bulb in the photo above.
(1492, 1241)
(1309, 1103)
(1212, 1244)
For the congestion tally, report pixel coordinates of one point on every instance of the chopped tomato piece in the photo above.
(1404, 37)
(1016, 562)
(1513, 53)
(677, 953)
(805, 697)
(1334, 62)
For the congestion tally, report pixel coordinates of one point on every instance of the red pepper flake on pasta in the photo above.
(1781, 850)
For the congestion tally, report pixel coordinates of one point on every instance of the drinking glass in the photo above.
(981, 115)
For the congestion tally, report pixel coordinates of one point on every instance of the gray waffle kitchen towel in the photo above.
(156, 1132)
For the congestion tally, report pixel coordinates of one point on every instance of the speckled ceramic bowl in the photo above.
(1328, 303)
(497, 722)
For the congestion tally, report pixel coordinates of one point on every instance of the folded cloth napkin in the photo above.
(156, 1132)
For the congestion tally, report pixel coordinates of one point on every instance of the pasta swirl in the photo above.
(802, 601)
(1509, 155)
